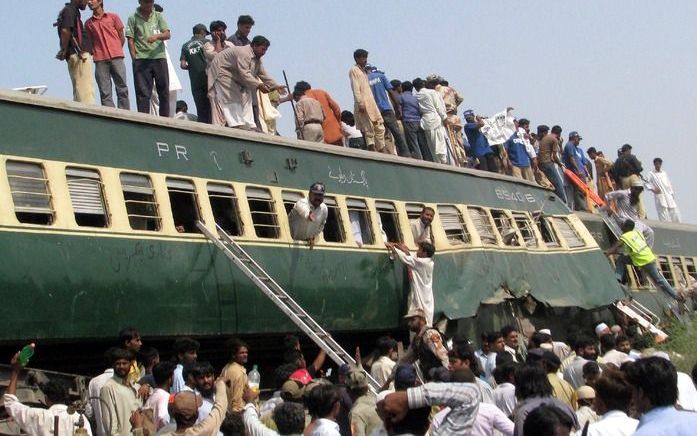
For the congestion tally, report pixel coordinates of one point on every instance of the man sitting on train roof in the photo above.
(639, 253)
(421, 226)
(308, 216)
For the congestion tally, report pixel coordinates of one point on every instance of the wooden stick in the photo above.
(292, 104)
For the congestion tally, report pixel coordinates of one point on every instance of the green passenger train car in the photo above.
(97, 231)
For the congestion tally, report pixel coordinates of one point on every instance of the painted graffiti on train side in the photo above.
(349, 178)
(123, 259)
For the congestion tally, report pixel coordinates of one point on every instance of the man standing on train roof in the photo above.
(627, 171)
(639, 254)
(662, 189)
(420, 267)
(433, 118)
(244, 27)
(331, 126)
(421, 226)
(218, 41)
(308, 216)
(479, 145)
(193, 60)
(309, 117)
(366, 112)
(76, 50)
(575, 160)
(387, 99)
(626, 202)
(234, 76)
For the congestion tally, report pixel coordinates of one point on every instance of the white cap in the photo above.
(546, 331)
(600, 328)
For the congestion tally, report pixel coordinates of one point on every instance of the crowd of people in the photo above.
(414, 119)
(610, 383)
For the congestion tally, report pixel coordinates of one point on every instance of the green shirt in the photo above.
(192, 53)
(637, 249)
(139, 29)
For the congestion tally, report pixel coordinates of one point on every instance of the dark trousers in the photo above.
(145, 71)
(390, 121)
(414, 136)
(203, 105)
(488, 162)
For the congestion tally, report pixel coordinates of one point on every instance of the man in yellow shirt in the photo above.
(639, 254)
(236, 375)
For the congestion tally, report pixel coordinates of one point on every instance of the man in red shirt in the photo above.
(105, 29)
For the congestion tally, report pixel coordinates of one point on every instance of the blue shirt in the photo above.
(667, 421)
(479, 145)
(515, 146)
(410, 107)
(581, 160)
(380, 85)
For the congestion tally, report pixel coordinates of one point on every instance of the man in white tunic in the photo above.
(420, 276)
(421, 226)
(308, 216)
(433, 117)
(663, 193)
(234, 75)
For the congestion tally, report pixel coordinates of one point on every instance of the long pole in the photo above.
(292, 104)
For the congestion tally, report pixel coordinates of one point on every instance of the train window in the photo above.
(389, 221)
(261, 206)
(87, 196)
(182, 197)
(334, 227)
(638, 277)
(690, 268)
(414, 210)
(481, 222)
(506, 228)
(525, 226)
(361, 227)
(666, 271)
(546, 229)
(568, 232)
(141, 205)
(30, 193)
(226, 211)
(454, 225)
(289, 199)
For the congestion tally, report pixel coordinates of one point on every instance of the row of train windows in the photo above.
(33, 205)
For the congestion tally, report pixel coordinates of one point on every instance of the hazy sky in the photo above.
(618, 72)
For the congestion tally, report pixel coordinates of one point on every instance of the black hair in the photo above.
(694, 374)
(321, 400)
(658, 159)
(121, 353)
(503, 373)
(233, 425)
(282, 373)
(217, 24)
(531, 381)
(395, 83)
(544, 420)
(583, 341)
(127, 334)
(492, 337)
(612, 388)
(385, 345)
(407, 86)
(235, 344)
(428, 248)
(607, 343)
(444, 83)
(181, 104)
(185, 345)
(162, 371)
(158, 8)
(523, 122)
(290, 341)
(188, 370)
(202, 368)
(591, 150)
(418, 83)
(260, 40)
(538, 339)
(292, 356)
(556, 129)
(542, 128)
(348, 118)
(56, 391)
(108, 355)
(620, 339)
(657, 379)
(360, 53)
(628, 226)
(301, 87)
(146, 355)
(466, 352)
(591, 368)
(245, 19)
(289, 418)
(507, 330)
(503, 357)
(415, 422)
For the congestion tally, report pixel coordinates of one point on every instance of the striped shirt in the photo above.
(462, 398)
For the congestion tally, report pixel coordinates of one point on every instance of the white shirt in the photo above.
(499, 127)
(504, 397)
(479, 354)
(574, 372)
(586, 414)
(158, 402)
(381, 369)
(615, 357)
(432, 108)
(185, 116)
(325, 427)
(490, 418)
(660, 180)
(420, 231)
(421, 279)
(486, 391)
(40, 422)
(94, 387)
(687, 394)
(350, 131)
(528, 146)
(177, 379)
(490, 365)
(301, 228)
(613, 423)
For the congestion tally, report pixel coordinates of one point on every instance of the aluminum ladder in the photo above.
(643, 316)
(282, 300)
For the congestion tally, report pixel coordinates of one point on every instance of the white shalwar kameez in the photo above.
(666, 206)
(432, 116)
(421, 283)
